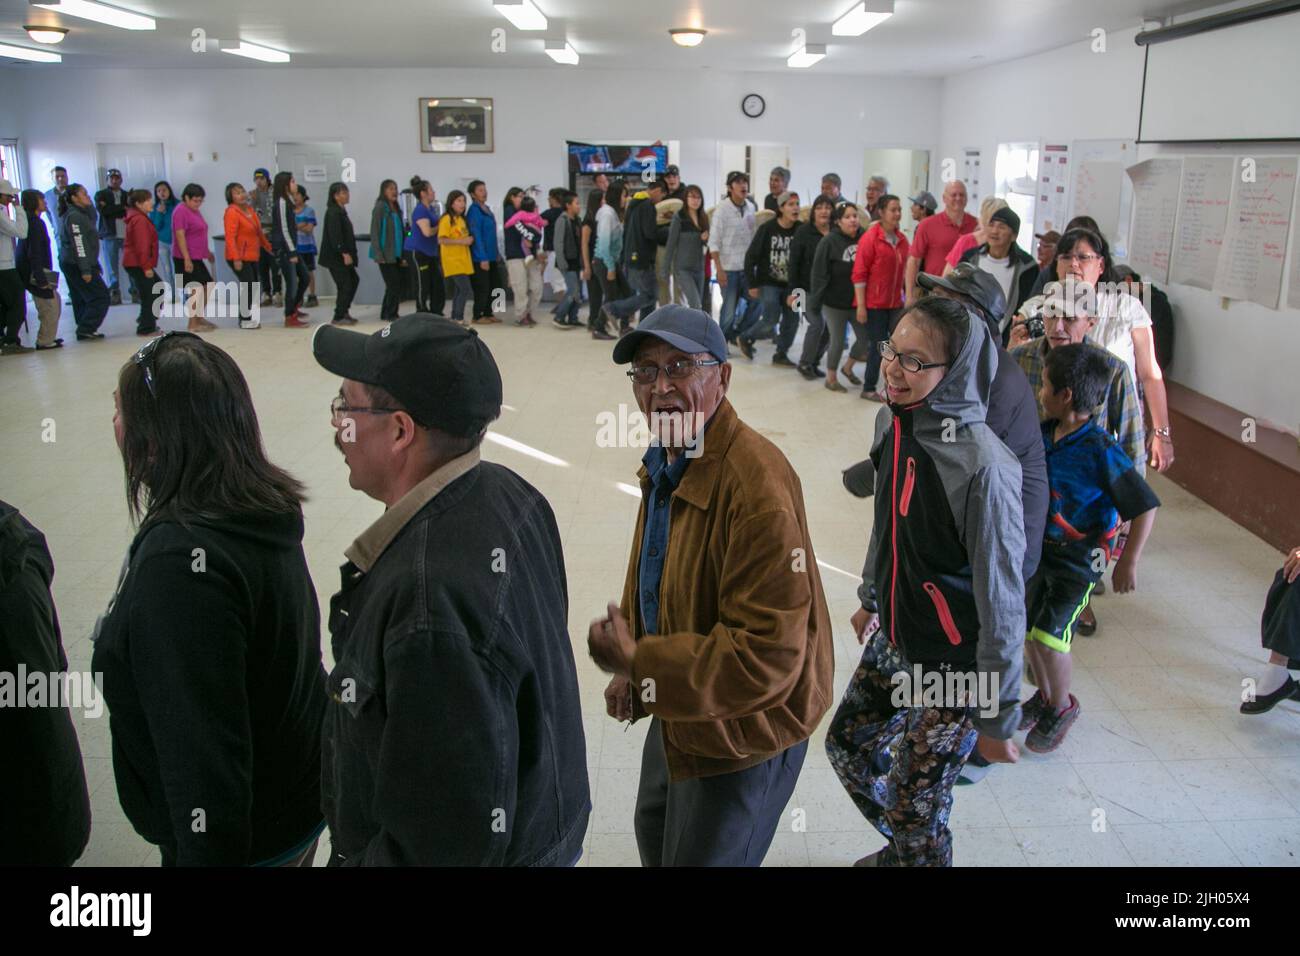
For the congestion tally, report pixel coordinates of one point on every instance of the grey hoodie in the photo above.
(951, 565)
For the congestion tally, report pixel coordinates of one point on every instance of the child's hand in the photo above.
(1124, 578)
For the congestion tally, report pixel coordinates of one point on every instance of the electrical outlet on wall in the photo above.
(190, 157)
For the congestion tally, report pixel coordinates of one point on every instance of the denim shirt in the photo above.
(664, 479)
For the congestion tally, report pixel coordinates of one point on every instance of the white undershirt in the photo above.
(1000, 269)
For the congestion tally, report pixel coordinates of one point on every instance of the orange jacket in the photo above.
(244, 236)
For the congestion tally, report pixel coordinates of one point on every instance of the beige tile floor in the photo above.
(1159, 770)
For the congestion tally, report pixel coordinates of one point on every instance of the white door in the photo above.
(315, 165)
(141, 164)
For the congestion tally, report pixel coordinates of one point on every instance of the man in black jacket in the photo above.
(640, 246)
(44, 804)
(111, 204)
(454, 736)
(1002, 257)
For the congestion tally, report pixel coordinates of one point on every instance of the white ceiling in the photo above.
(923, 38)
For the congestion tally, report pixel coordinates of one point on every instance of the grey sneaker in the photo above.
(1052, 727)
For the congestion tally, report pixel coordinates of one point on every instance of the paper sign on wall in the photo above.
(1259, 223)
(1155, 201)
(1202, 219)
(1053, 205)
(313, 174)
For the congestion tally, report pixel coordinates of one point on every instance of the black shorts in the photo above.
(199, 274)
(1053, 604)
(308, 259)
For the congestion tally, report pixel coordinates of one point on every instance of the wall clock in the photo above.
(753, 105)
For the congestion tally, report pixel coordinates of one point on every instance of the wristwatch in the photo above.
(1163, 434)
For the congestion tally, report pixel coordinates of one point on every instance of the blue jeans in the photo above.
(736, 304)
(567, 310)
(775, 312)
(691, 284)
(880, 323)
(295, 280)
(110, 251)
(460, 292)
(645, 292)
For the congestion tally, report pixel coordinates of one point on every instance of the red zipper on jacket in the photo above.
(893, 523)
(909, 482)
(945, 615)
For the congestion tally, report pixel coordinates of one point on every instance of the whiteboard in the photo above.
(1238, 82)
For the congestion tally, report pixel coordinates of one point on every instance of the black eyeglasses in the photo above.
(339, 405)
(144, 357)
(910, 363)
(649, 374)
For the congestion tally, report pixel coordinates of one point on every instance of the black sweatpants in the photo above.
(13, 304)
(147, 320)
(346, 281)
(485, 281)
(392, 275)
(431, 292)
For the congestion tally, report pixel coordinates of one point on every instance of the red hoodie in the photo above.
(141, 246)
(882, 267)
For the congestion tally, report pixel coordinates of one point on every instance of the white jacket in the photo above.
(10, 230)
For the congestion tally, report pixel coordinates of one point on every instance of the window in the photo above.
(10, 167)
(1016, 177)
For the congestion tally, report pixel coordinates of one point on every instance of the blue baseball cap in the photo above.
(682, 327)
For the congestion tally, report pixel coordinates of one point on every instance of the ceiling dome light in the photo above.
(46, 34)
(687, 36)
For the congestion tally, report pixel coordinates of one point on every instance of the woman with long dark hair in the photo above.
(457, 263)
(164, 203)
(140, 256)
(832, 293)
(386, 240)
(688, 239)
(803, 252)
(422, 244)
(284, 242)
(79, 261)
(338, 253)
(210, 648)
(587, 242)
(35, 264)
(608, 260)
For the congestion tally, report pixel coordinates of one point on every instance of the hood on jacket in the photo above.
(281, 531)
(21, 543)
(963, 393)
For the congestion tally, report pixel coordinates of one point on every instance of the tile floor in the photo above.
(1160, 769)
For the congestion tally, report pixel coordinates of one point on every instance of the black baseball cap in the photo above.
(681, 327)
(113, 172)
(672, 170)
(442, 373)
(1007, 216)
(965, 279)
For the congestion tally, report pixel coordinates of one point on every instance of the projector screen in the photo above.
(1236, 83)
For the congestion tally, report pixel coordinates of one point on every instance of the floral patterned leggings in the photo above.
(899, 764)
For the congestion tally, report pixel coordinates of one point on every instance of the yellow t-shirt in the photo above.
(455, 259)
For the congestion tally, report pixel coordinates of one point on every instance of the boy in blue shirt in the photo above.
(305, 223)
(1094, 489)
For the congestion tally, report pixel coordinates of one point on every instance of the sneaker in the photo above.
(808, 372)
(559, 323)
(1052, 728)
(267, 301)
(311, 302)
(1031, 710)
(293, 322)
(343, 320)
(601, 335)
(783, 360)
(114, 297)
(88, 336)
(976, 769)
(747, 349)
(278, 299)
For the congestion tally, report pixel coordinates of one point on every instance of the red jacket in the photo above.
(882, 267)
(141, 247)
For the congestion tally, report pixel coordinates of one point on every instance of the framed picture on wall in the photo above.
(456, 125)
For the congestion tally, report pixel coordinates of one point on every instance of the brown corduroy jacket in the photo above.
(741, 668)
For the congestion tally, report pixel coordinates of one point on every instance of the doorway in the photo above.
(755, 160)
(316, 164)
(907, 172)
(141, 164)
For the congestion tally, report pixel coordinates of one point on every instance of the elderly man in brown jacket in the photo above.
(722, 636)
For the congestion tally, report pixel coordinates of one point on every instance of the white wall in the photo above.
(59, 115)
(1244, 355)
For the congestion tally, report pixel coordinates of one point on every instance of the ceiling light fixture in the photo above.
(687, 36)
(561, 52)
(255, 51)
(863, 17)
(522, 14)
(8, 52)
(46, 34)
(101, 13)
(806, 56)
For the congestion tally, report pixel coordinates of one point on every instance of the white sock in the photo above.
(1274, 677)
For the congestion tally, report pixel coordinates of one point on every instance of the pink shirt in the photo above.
(963, 243)
(935, 237)
(195, 227)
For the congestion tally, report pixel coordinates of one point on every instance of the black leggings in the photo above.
(430, 293)
(345, 281)
(249, 279)
(485, 281)
(147, 320)
(392, 273)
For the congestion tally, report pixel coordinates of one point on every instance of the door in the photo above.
(316, 164)
(141, 164)
(907, 171)
(10, 168)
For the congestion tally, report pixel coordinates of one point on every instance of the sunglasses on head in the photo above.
(144, 357)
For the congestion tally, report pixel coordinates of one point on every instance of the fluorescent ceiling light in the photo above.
(46, 34)
(24, 53)
(522, 14)
(687, 37)
(255, 52)
(806, 56)
(863, 17)
(561, 52)
(100, 13)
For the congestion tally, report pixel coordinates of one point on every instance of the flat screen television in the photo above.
(592, 158)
